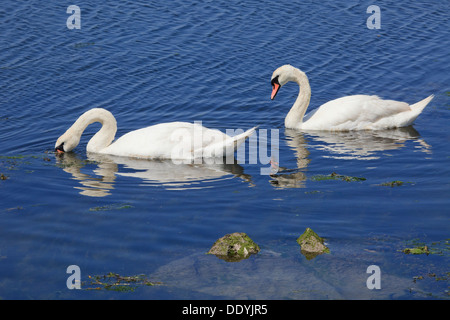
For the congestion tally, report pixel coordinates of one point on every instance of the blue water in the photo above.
(158, 61)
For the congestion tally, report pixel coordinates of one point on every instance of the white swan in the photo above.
(357, 112)
(174, 140)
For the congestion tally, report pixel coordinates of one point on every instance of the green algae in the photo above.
(434, 276)
(415, 246)
(335, 176)
(431, 280)
(417, 250)
(115, 282)
(110, 207)
(83, 45)
(395, 183)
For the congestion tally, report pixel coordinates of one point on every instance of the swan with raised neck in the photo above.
(356, 112)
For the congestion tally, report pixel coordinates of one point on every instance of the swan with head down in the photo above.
(173, 140)
(356, 112)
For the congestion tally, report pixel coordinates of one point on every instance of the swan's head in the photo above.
(67, 142)
(280, 77)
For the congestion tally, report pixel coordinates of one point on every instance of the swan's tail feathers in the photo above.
(226, 147)
(419, 106)
(240, 138)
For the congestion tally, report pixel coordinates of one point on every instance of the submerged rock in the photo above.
(234, 247)
(311, 244)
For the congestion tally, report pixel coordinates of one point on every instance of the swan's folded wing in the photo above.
(161, 141)
(176, 140)
(354, 112)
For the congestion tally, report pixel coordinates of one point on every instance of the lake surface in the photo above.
(211, 61)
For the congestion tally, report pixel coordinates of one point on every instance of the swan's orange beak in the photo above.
(275, 88)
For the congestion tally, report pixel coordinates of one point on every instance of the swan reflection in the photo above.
(351, 145)
(293, 178)
(366, 145)
(101, 180)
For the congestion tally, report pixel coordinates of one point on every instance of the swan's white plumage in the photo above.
(360, 112)
(357, 112)
(174, 140)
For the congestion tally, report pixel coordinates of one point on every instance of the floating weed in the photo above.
(109, 207)
(395, 183)
(313, 192)
(431, 280)
(83, 44)
(12, 157)
(115, 282)
(444, 277)
(335, 176)
(13, 162)
(417, 250)
(415, 246)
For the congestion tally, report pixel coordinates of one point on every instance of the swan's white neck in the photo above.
(104, 136)
(294, 118)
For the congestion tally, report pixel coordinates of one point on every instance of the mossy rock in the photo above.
(234, 247)
(311, 244)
